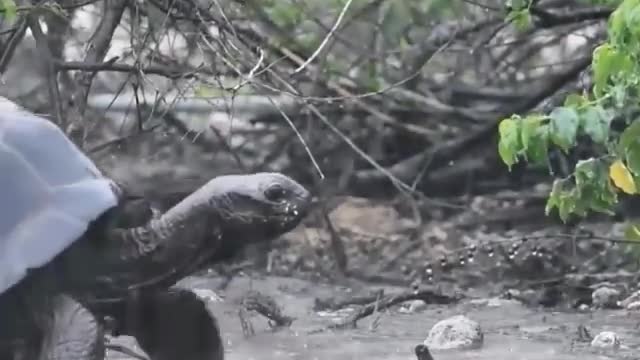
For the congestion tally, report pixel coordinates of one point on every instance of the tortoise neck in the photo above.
(155, 253)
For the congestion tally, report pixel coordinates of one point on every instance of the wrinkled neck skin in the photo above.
(157, 253)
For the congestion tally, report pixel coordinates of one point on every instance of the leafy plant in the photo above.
(596, 183)
(8, 9)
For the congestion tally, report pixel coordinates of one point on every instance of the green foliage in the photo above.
(519, 14)
(597, 182)
(590, 190)
(284, 13)
(632, 232)
(8, 9)
(396, 19)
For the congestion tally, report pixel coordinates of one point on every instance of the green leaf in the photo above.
(601, 67)
(517, 4)
(575, 100)
(9, 9)
(619, 94)
(628, 136)
(564, 127)
(592, 191)
(615, 26)
(632, 156)
(585, 170)
(632, 19)
(618, 29)
(593, 186)
(632, 233)
(554, 196)
(521, 19)
(538, 150)
(530, 125)
(595, 123)
(567, 201)
(534, 136)
(567, 205)
(608, 61)
(622, 178)
(509, 143)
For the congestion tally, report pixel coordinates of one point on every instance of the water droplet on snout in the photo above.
(489, 251)
(461, 260)
(470, 258)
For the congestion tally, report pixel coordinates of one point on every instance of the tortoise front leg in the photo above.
(70, 332)
(172, 324)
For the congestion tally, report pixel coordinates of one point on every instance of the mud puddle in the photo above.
(511, 331)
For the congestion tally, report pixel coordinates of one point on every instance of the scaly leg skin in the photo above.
(71, 332)
(172, 324)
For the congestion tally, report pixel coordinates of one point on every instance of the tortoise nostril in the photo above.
(275, 193)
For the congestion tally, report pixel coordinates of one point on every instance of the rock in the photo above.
(583, 308)
(606, 298)
(606, 339)
(457, 332)
(631, 299)
(495, 302)
(364, 216)
(633, 306)
(207, 295)
(413, 306)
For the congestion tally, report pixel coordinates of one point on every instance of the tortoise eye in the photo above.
(275, 193)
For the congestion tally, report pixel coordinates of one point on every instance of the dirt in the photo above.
(388, 247)
(511, 330)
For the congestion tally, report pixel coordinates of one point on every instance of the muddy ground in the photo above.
(526, 279)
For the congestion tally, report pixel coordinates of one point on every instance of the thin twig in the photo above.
(326, 38)
(52, 75)
(11, 45)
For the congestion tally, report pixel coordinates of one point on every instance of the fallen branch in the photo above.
(428, 296)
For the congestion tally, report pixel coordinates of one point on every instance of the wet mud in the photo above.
(511, 330)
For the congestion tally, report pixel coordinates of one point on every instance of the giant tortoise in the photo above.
(69, 258)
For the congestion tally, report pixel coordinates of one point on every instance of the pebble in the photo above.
(632, 301)
(457, 332)
(606, 339)
(606, 298)
(207, 295)
(417, 305)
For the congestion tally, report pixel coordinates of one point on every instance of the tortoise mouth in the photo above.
(290, 215)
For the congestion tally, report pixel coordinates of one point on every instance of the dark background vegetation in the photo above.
(396, 102)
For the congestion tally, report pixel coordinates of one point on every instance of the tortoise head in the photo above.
(257, 206)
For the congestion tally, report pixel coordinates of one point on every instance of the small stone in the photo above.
(633, 306)
(583, 308)
(417, 305)
(606, 297)
(207, 295)
(606, 339)
(413, 306)
(457, 332)
(633, 298)
(497, 302)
